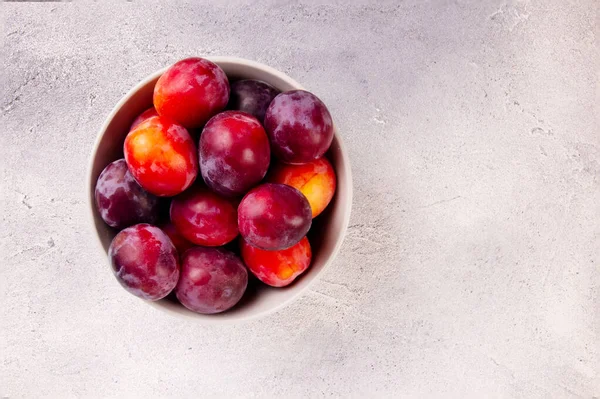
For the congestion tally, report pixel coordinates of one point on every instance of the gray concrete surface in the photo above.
(471, 267)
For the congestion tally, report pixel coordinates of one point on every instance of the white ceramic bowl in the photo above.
(327, 231)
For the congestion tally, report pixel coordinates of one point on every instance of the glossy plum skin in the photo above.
(234, 153)
(181, 244)
(121, 201)
(191, 91)
(212, 280)
(161, 156)
(299, 126)
(204, 218)
(144, 261)
(252, 96)
(274, 216)
(277, 268)
(147, 114)
(315, 179)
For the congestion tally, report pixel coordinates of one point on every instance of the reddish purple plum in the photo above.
(191, 91)
(121, 201)
(274, 216)
(204, 218)
(252, 96)
(145, 261)
(180, 242)
(234, 153)
(299, 126)
(212, 280)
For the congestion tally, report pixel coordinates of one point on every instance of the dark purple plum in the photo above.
(299, 126)
(144, 261)
(234, 153)
(274, 216)
(212, 280)
(121, 201)
(252, 96)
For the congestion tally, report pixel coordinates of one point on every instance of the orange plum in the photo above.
(316, 180)
(277, 268)
(161, 156)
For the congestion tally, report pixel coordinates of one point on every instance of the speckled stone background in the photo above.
(471, 267)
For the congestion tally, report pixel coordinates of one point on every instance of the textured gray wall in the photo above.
(471, 266)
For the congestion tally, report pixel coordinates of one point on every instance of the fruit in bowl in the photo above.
(212, 280)
(145, 261)
(204, 217)
(274, 216)
(315, 179)
(191, 91)
(277, 268)
(234, 153)
(121, 201)
(299, 126)
(161, 156)
(264, 190)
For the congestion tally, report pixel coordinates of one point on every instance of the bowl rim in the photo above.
(211, 319)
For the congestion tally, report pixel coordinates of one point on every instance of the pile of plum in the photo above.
(260, 153)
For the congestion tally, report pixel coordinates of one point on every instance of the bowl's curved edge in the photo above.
(215, 319)
(90, 178)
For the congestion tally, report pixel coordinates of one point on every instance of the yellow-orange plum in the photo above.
(315, 179)
(161, 156)
(277, 268)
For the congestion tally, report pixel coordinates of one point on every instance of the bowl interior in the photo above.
(326, 234)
